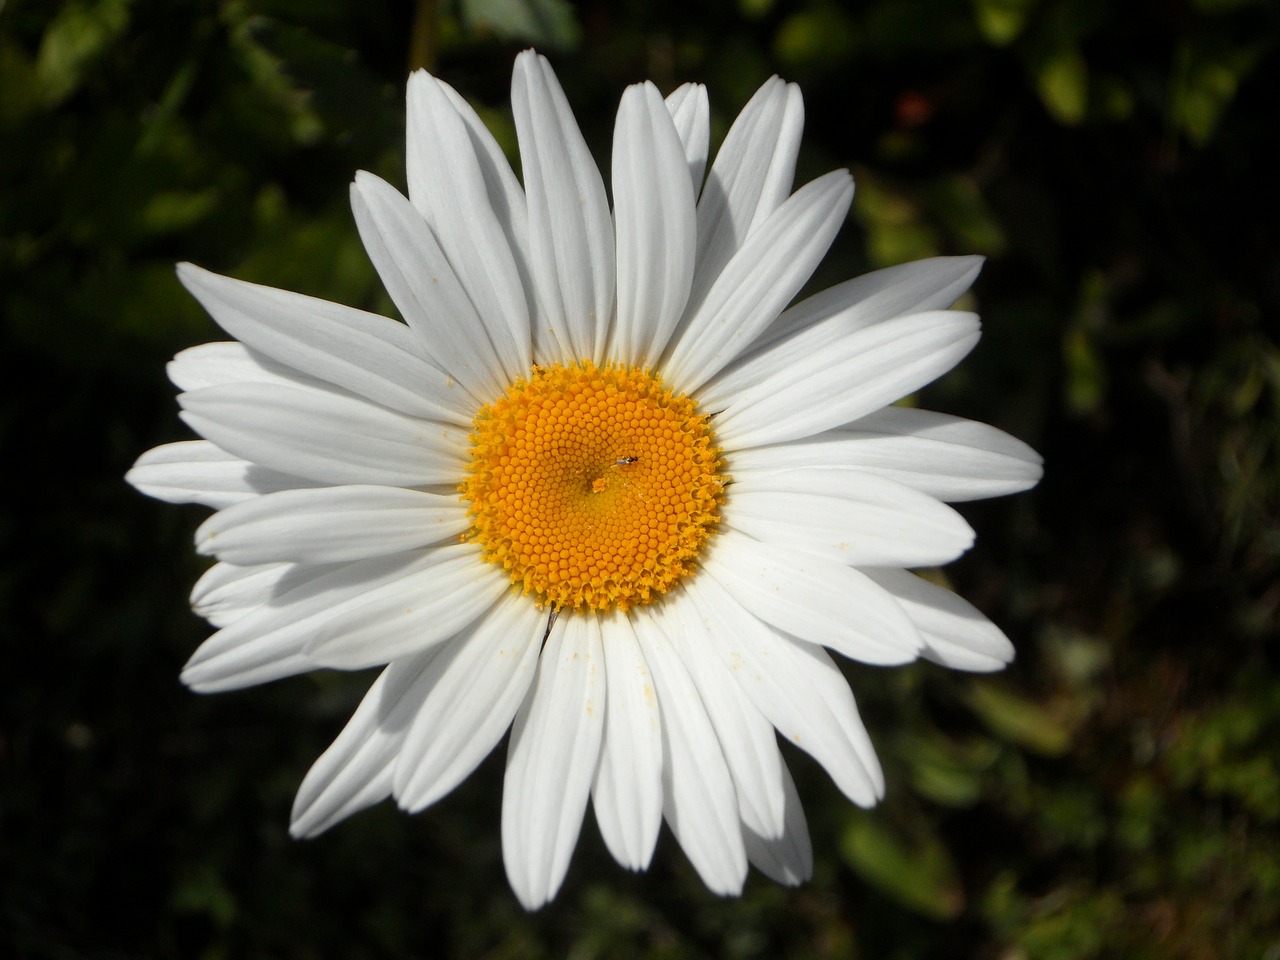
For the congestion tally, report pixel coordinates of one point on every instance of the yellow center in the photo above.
(592, 486)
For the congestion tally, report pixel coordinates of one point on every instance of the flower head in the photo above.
(603, 487)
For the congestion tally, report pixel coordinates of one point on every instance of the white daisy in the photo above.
(603, 487)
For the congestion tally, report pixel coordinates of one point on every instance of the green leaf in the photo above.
(755, 9)
(892, 221)
(1001, 21)
(818, 37)
(961, 207)
(947, 771)
(204, 893)
(1062, 79)
(1085, 374)
(546, 23)
(173, 210)
(1011, 717)
(289, 107)
(1206, 78)
(76, 37)
(917, 872)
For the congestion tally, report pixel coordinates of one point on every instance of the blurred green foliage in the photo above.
(1116, 793)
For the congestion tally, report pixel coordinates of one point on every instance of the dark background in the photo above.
(1115, 793)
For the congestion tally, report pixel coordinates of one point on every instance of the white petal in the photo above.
(461, 183)
(425, 607)
(197, 471)
(746, 737)
(818, 322)
(787, 860)
(371, 356)
(814, 599)
(691, 114)
(475, 686)
(325, 436)
(506, 196)
(555, 743)
(955, 633)
(797, 687)
(847, 516)
(267, 643)
(627, 792)
(429, 293)
(853, 377)
(773, 264)
(330, 524)
(934, 283)
(946, 457)
(653, 207)
(570, 230)
(750, 178)
(356, 771)
(225, 592)
(211, 364)
(700, 803)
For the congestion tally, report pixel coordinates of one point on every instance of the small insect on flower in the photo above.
(605, 486)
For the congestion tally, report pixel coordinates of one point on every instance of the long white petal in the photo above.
(627, 791)
(934, 283)
(821, 320)
(797, 687)
(267, 643)
(773, 263)
(853, 377)
(814, 599)
(955, 632)
(750, 178)
(700, 803)
(356, 771)
(225, 592)
(429, 293)
(555, 744)
(423, 608)
(848, 516)
(946, 457)
(570, 230)
(228, 361)
(461, 183)
(505, 191)
(325, 436)
(505, 194)
(788, 859)
(197, 471)
(371, 356)
(476, 685)
(330, 524)
(691, 113)
(746, 737)
(654, 210)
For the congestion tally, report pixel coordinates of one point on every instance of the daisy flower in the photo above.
(603, 487)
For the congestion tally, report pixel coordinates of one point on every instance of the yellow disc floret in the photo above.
(594, 487)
